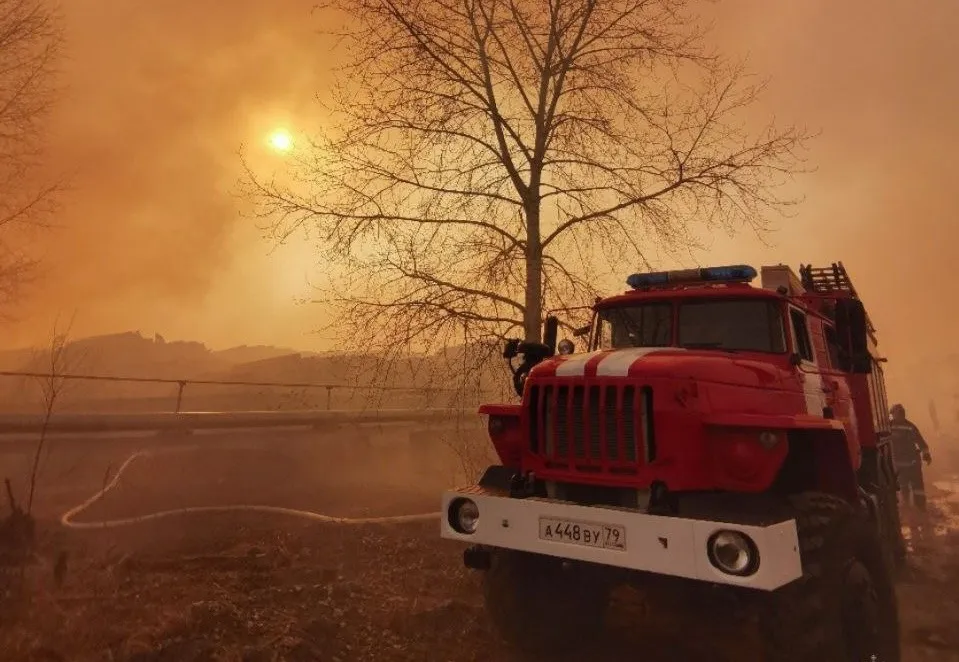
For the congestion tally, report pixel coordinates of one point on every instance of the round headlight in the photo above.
(464, 516)
(733, 553)
(768, 439)
(566, 346)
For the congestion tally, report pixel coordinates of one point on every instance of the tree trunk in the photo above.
(533, 315)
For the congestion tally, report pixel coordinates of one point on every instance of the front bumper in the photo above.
(672, 546)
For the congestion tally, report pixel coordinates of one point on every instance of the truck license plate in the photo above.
(587, 534)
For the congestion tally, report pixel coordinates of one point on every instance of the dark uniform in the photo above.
(909, 450)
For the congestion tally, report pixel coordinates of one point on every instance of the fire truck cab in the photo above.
(712, 431)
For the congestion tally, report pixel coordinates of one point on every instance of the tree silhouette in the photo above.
(30, 40)
(485, 160)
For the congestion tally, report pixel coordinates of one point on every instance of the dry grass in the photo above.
(248, 587)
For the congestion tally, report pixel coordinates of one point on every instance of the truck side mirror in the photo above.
(550, 328)
(852, 330)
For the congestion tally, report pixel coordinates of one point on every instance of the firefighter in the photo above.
(908, 448)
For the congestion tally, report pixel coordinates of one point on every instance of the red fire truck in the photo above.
(715, 434)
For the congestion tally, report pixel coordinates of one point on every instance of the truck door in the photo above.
(838, 397)
(807, 371)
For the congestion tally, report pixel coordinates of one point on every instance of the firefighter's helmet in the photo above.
(897, 411)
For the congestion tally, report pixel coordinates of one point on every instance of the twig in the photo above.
(14, 509)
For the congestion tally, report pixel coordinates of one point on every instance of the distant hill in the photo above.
(410, 382)
(121, 354)
(251, 353)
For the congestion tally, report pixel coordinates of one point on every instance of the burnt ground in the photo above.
(253, 586)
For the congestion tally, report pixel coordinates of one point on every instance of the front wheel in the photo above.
(541, 604)
(843, 608)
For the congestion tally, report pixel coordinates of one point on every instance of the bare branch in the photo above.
(30, 40)
(486, 160)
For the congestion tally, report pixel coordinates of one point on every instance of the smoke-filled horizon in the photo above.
(160, 98)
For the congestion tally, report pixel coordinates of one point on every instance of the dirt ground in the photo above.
(251, 587)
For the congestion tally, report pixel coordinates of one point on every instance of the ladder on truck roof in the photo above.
(833, 279)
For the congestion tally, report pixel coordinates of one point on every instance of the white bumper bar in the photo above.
(662, 545)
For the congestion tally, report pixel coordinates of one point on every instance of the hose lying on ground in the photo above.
(67, 518)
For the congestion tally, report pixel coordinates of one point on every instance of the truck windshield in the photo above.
(730, 324)
(642, 325)
(744, 324)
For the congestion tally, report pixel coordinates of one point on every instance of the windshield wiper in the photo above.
(707, 345)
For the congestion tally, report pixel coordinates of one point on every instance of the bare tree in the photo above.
(18, 528)
(58, 360)
(487, 160)
(30, 40)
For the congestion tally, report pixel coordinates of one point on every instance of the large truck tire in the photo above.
(843, 608)
(539, 604)
(888, 495)
(894, 538)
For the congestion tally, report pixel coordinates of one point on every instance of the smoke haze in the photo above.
(162, 95)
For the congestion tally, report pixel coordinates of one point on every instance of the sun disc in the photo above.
(281, 140)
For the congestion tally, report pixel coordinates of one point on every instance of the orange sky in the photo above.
(162, 95)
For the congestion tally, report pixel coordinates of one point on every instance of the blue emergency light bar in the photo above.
(739, 273)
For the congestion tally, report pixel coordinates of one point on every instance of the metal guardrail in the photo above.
(183, 383)
(214, 420)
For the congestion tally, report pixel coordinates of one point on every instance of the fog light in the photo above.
(733, 553)
(768, 440)
(464, 516)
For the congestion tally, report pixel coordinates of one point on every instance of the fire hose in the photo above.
(67, 519)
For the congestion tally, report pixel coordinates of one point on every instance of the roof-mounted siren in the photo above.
(737, 273)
